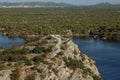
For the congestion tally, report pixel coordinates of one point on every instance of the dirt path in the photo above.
(56, 49)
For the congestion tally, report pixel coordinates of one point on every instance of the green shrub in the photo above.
(12, 57)
(65, 59)
(15, 51)
(60, 53)
(43, 42)
(38, 59)
(34, 68)
(28, 62)
(49, 37)
(48, 50)
(30, 77)
(2, 67)
(38, 49)
(95, 77)
(9, 51)
(23, 51)
(75, 64)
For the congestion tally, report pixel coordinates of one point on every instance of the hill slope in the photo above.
(106, 4)
(33, 4)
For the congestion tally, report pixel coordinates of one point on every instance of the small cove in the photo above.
(7, 42)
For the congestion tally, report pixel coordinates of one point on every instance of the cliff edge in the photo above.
(64, 62)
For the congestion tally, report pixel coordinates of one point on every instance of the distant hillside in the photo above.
(106, 4)
(35, 4)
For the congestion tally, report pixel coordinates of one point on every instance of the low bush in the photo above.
(12, 58)
(30, 77)
(38, 59)
(74, 63)
(38, 49)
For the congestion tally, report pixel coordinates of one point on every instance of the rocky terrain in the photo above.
(64, 62)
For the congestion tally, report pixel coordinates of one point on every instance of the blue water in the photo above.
(106, 55)
(7, 42)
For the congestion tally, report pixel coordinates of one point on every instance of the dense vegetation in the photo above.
(15, 56)
(104, 22)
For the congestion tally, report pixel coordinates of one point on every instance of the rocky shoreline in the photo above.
(65, 62)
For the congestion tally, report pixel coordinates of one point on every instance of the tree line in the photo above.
(104, 22)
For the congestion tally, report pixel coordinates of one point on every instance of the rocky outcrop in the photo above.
(67, 63)
(5, 75)
(89, 70)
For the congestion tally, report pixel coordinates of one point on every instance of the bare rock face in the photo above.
(5, 75)
(66, 63)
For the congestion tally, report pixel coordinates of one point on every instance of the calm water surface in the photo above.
(6, 42)
(106, 55)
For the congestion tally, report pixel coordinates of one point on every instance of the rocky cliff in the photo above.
(65, 62)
